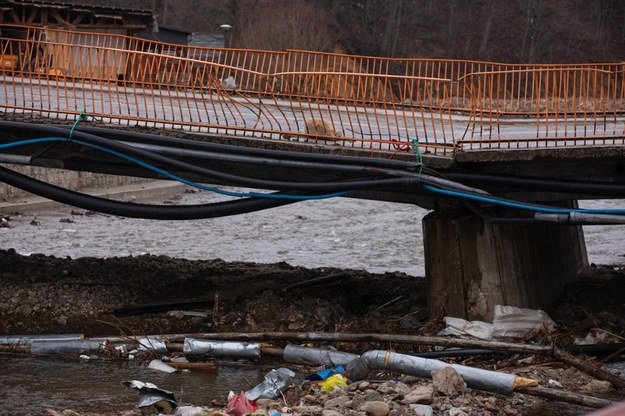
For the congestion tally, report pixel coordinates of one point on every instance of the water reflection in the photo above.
(30, 384)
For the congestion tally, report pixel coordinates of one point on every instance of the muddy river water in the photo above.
(345, 233)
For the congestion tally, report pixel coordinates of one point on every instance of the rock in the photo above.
(454, 411)
(336, 403)
(375, 408)
(448, 382)
(420, 395)
(331, 413)
(364, 385)
(509, 410)
(373, 395)
(422, 410)
(308, 410)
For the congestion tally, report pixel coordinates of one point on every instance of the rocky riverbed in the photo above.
(130, 296)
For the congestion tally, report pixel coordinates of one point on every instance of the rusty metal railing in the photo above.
(439, 106)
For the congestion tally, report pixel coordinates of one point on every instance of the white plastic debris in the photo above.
(151, 398)
(554, 383)
(152, 344)
(461, 328)
(509, 323)
(161, 366)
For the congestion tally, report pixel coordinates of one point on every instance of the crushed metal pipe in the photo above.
(316, 356)
(153, 344)
(476, 378)
(247, 350)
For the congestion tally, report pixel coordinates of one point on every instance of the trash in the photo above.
(275, 382)
(122, 349)
(554, 383)
(190, 411)
(152, 399)
(181, 314)
(161, 366)
(324, 374)
(461, 327)
(595, 336)
(509, 323)
(332, 383)
(240, 404)
(153, 344)
(221, 348)
(477, 378)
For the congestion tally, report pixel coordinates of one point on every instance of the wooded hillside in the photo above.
(520, 31)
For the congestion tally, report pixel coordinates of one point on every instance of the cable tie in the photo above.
(82, 116)
(419, 156)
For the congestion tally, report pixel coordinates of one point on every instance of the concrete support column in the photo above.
(472, 264)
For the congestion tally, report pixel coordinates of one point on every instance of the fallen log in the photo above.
(589, 367)
(566, 396)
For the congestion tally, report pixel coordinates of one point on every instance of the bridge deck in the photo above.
(477, 116)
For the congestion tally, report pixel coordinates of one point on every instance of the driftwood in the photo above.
(589, 367)
(341, 337)
(566, 396)
(204, 366)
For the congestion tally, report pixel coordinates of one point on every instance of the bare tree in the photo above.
(392, 27)
(281, 24)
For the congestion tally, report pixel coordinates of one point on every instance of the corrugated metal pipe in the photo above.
(228, 349)
(476, 378)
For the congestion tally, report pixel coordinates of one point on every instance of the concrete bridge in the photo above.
(500, 153)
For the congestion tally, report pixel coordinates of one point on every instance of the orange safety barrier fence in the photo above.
(441, 106)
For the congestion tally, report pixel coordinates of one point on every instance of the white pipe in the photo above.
(221, 348)
(316, 356)
(477, 378)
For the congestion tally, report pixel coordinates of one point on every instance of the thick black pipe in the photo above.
(137, 137)
(132, 136)
(539, 184)
(327, 187)
(127, 209)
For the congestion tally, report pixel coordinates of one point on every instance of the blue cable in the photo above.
(171, 175)
(446, 192)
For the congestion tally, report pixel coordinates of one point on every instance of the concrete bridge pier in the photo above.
(472, 264)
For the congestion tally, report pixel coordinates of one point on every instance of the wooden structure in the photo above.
(75, 16)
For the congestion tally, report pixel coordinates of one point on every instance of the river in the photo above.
(344, 233)
(339, 232)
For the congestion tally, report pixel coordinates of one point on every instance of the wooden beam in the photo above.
(79, 18)
(57, 16)
(32, 16)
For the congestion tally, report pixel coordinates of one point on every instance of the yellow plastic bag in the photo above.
(332, 383)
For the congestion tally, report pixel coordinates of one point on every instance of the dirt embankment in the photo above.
(95, 296)
(133, 296)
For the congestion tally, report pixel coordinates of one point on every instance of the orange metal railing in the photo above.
(441, 106)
